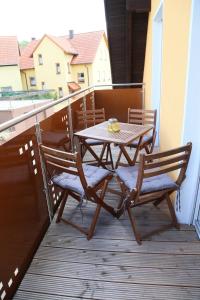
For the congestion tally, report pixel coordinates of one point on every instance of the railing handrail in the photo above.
(36, 111)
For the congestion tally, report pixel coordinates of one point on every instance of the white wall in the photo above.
(191, 129)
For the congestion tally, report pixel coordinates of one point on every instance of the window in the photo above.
(43, 85)
(32, 81)
(60, 92)
(68, 68)
(58, 71)
(40, 59)
(81, 77)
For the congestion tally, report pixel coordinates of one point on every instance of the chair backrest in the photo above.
(89, 118)
(142, 116)
(67, 162)
(152, 165)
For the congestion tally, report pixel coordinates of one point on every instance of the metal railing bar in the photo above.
(120, 84)
(36, 111)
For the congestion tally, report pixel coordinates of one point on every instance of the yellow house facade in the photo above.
(52, 66)
(172, 87)
(27, 69)
(97, 72)
(10, 79)
(67, 64)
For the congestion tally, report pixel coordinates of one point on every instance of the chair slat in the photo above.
(96, 111)
(63, 168)
(164, 170)
(90, 117)
(182, 157)
(168, 153)
(60, 161)
(59, 153)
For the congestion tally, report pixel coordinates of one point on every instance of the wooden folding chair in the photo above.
(149, 182)
(66, 171)
(144, 117)
(90, 118)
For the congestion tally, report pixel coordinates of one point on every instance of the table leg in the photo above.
(123, 151)
(98, 159)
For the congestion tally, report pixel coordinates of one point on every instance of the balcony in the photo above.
(63, 264)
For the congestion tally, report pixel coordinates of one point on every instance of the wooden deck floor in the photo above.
(112, 265)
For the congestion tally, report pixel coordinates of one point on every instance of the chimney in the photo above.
(71, 34)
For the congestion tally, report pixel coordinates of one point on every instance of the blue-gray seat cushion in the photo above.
(146, 138)
(93, 176)
(93, 142)
(160, 182)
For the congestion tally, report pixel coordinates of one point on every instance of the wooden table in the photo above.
(127, 134)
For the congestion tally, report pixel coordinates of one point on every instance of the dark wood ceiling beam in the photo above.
(138, 5)
(127, 28)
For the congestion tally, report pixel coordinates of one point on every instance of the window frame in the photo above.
(68, 68)
(81, 79)
(43, 84)
(40, 59)
(58, 68)
(30, 80)
(60, 90)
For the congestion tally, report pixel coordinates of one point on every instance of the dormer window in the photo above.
(40, 59)
(58, 70)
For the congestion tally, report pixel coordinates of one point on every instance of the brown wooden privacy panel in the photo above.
(79, 105)
(23, 209)
(117, 101)
(55, 132)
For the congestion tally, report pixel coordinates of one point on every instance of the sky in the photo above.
(26, 19)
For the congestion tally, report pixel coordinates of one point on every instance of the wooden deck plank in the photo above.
(125, 233)
(26, 295)
(112, 265)
(119, 273)
(92, 289)
(119, 246)
(119, 258)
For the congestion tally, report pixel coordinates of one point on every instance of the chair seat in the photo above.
(93, 176)
(160, 182)
(93, 142)
(145, 139)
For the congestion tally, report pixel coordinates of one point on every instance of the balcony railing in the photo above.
(27, 201)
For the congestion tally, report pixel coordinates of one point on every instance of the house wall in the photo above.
(101, 67)
(25, 77)
(99, 71)
(51, 55)
(176, 25)
(10, 76)
(88, 74)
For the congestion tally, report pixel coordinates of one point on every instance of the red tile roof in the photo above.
(64, 44)
(83, 46)
(9, 51)
(26, 62)
(86, 45)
